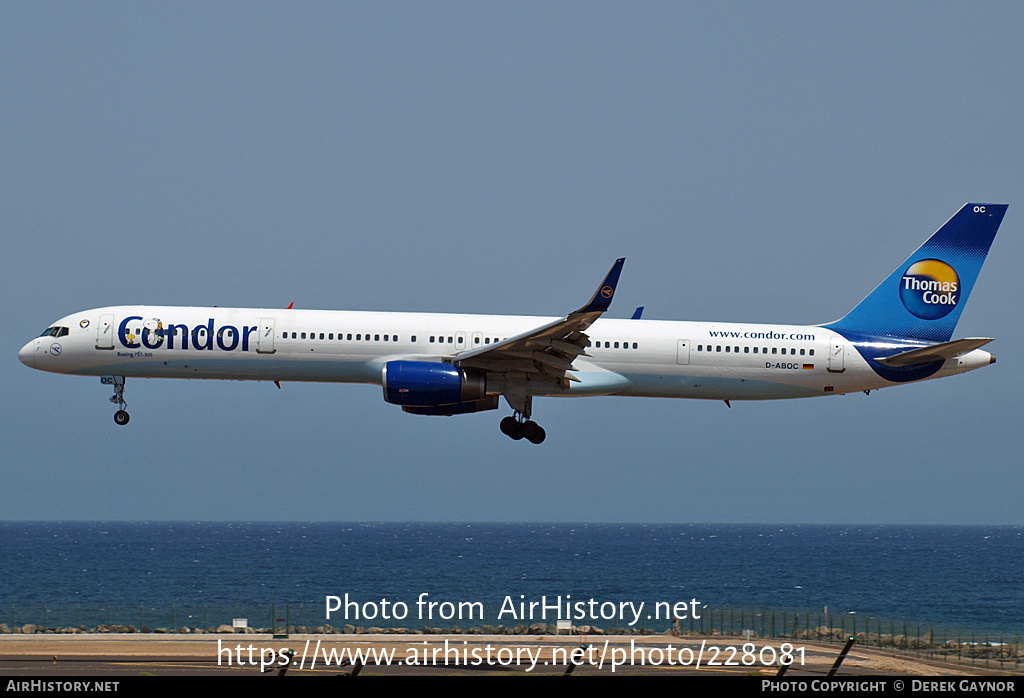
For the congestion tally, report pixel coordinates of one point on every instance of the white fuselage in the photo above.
(723, 361)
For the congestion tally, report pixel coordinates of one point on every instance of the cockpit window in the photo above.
(55, 332)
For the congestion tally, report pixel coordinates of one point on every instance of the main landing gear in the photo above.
(518, 427)
(121, 417)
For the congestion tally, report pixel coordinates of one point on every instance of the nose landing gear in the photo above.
(121, 417)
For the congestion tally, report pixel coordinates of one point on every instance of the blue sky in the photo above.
(762, 162)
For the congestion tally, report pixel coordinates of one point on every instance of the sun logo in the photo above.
(930, 289)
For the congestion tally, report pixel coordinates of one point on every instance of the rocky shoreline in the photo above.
(519, 629)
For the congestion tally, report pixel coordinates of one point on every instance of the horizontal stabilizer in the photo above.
(936, 352)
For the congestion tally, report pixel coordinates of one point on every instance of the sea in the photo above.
(418, 575)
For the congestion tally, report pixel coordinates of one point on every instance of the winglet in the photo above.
(603, 296)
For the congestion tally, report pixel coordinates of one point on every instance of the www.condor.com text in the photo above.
(528, 657)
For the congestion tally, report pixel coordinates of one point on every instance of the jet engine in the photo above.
(432, 384)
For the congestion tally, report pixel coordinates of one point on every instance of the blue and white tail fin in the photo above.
(924, 296)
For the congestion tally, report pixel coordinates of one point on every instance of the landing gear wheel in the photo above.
(121, 417)
(512, 428)
(508, 426)
(533, 432)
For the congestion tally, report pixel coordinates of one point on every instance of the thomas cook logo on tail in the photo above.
(930, 289)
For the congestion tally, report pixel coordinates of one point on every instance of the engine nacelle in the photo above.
(431, 384)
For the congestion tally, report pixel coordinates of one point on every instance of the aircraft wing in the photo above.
(549, 350)
(936, 352)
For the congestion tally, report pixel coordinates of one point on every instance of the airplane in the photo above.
(448, 364)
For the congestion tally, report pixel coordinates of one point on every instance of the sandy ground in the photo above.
(433, 654)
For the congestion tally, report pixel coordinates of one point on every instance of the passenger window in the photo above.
(775, 350)
(413, 338)
(616, 345)
(727, 349)
(718, 347)
(634, 345)
(746, 350)
(812, 352)
(386, 338)
(376, 337)
(303, 335)
(801, 352)
(431, 339)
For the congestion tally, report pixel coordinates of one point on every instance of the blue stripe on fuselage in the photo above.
(873, 347)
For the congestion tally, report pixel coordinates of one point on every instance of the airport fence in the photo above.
(991, 649)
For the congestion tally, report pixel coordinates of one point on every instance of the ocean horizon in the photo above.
(958, 577)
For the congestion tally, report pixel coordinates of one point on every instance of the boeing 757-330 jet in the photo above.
(447, 364)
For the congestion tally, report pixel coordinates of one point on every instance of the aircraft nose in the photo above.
(27, 355)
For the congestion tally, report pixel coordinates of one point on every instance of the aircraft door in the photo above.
(683, 352)
(265, 339)
(460, 341)
(836, 356)
(105, 332)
